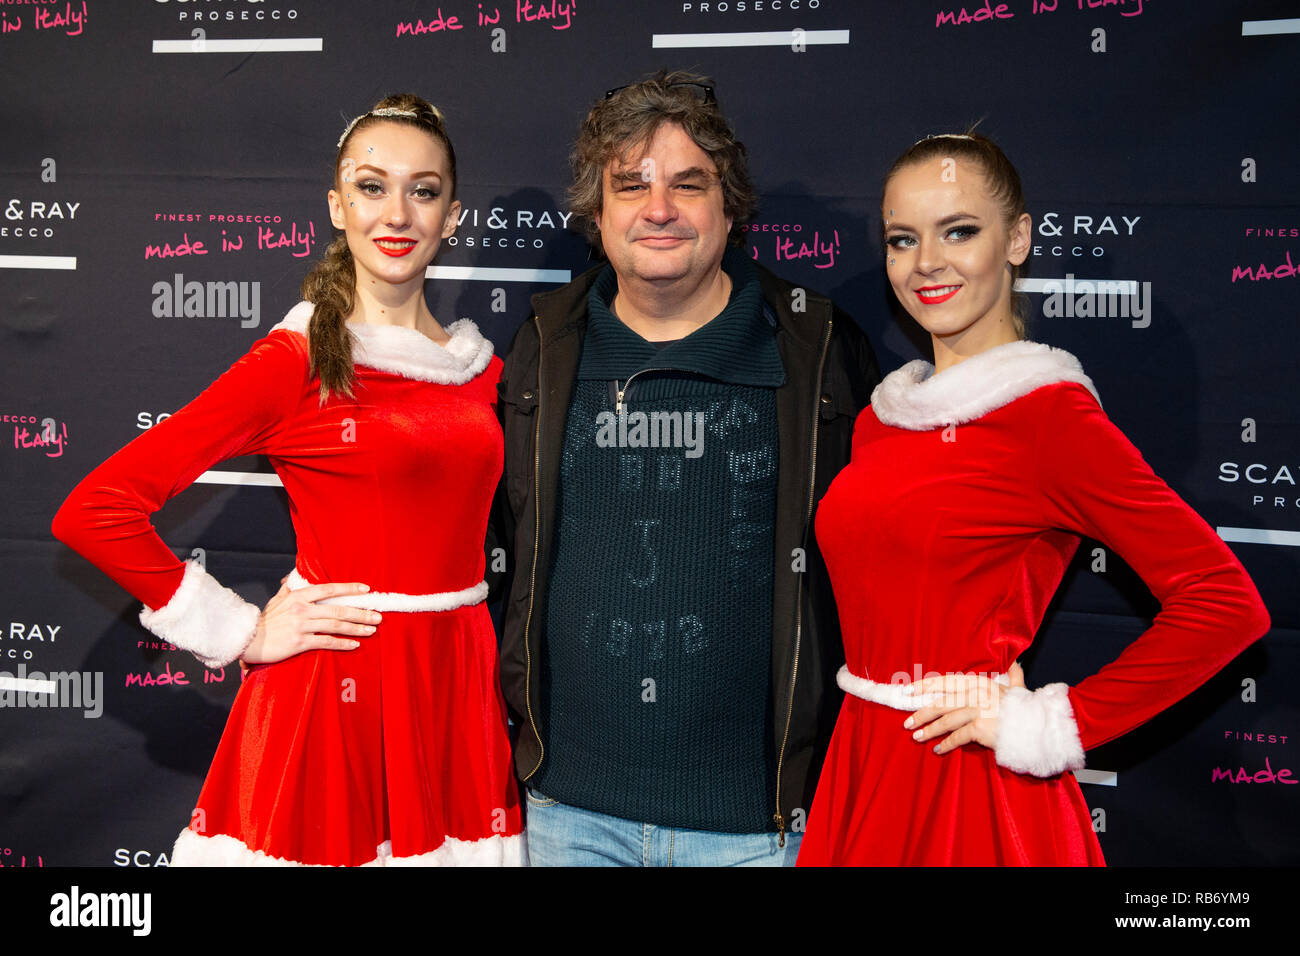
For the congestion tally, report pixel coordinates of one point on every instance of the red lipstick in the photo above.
(406, 245)
(936, 299)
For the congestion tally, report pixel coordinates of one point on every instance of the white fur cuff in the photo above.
(210, 621)
(1036, 732)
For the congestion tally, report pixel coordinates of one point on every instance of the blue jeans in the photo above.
(564, 835)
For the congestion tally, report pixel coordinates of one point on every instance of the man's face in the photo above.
(661, 217)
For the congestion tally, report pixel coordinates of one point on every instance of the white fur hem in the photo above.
(407, 352)
(210, 621)
(392, 601)
(1037, 733)
(194, 849)
(913, 397)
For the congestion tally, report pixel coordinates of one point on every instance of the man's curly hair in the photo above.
(622, 123)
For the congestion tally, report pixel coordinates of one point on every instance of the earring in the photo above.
(891, 261)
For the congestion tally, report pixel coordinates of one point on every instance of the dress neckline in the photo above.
(409, 352)
(915, 398)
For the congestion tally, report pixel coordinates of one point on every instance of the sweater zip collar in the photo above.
(737, 347)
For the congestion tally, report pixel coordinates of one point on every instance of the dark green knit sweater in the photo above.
(655, 672)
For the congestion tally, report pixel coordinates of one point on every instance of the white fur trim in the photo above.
(913, 397)
(392, 601)
(194, 849)
(891, 695)
(897, 696)
(407, 352)
(1036, 732)
(210, 621)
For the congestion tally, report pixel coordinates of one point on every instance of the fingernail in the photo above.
(369, 629)
(918, 735)
(936, 748)
(908, 723)
(356, 644)
(365, 587)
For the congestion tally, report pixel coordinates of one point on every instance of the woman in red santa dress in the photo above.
(970, 484)
(369, 729)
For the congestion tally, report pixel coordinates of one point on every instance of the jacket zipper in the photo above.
(537, 534)
(798, 594)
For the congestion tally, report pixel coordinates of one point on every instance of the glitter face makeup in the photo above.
(397, 206)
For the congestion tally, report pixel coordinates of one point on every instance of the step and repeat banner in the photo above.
(163, 170)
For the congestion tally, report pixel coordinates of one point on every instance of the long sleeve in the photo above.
(1093, 482)
(106, 517)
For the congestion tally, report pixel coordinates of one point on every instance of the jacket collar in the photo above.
(566, 306)
(406, 352)
(913, 397)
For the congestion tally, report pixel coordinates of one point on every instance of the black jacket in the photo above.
(830, 373)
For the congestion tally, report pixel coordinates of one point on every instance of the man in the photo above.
(671, 418)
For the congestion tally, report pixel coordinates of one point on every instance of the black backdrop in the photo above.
(153, 142)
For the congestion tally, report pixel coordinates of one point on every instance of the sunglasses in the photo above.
(705, 92)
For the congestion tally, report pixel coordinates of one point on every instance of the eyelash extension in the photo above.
(961, 233)
(373, 187)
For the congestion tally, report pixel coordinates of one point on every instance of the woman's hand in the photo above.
(968, 712)
(292, 623)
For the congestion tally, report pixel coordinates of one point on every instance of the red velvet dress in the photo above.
(946, 537)
(393, 753)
